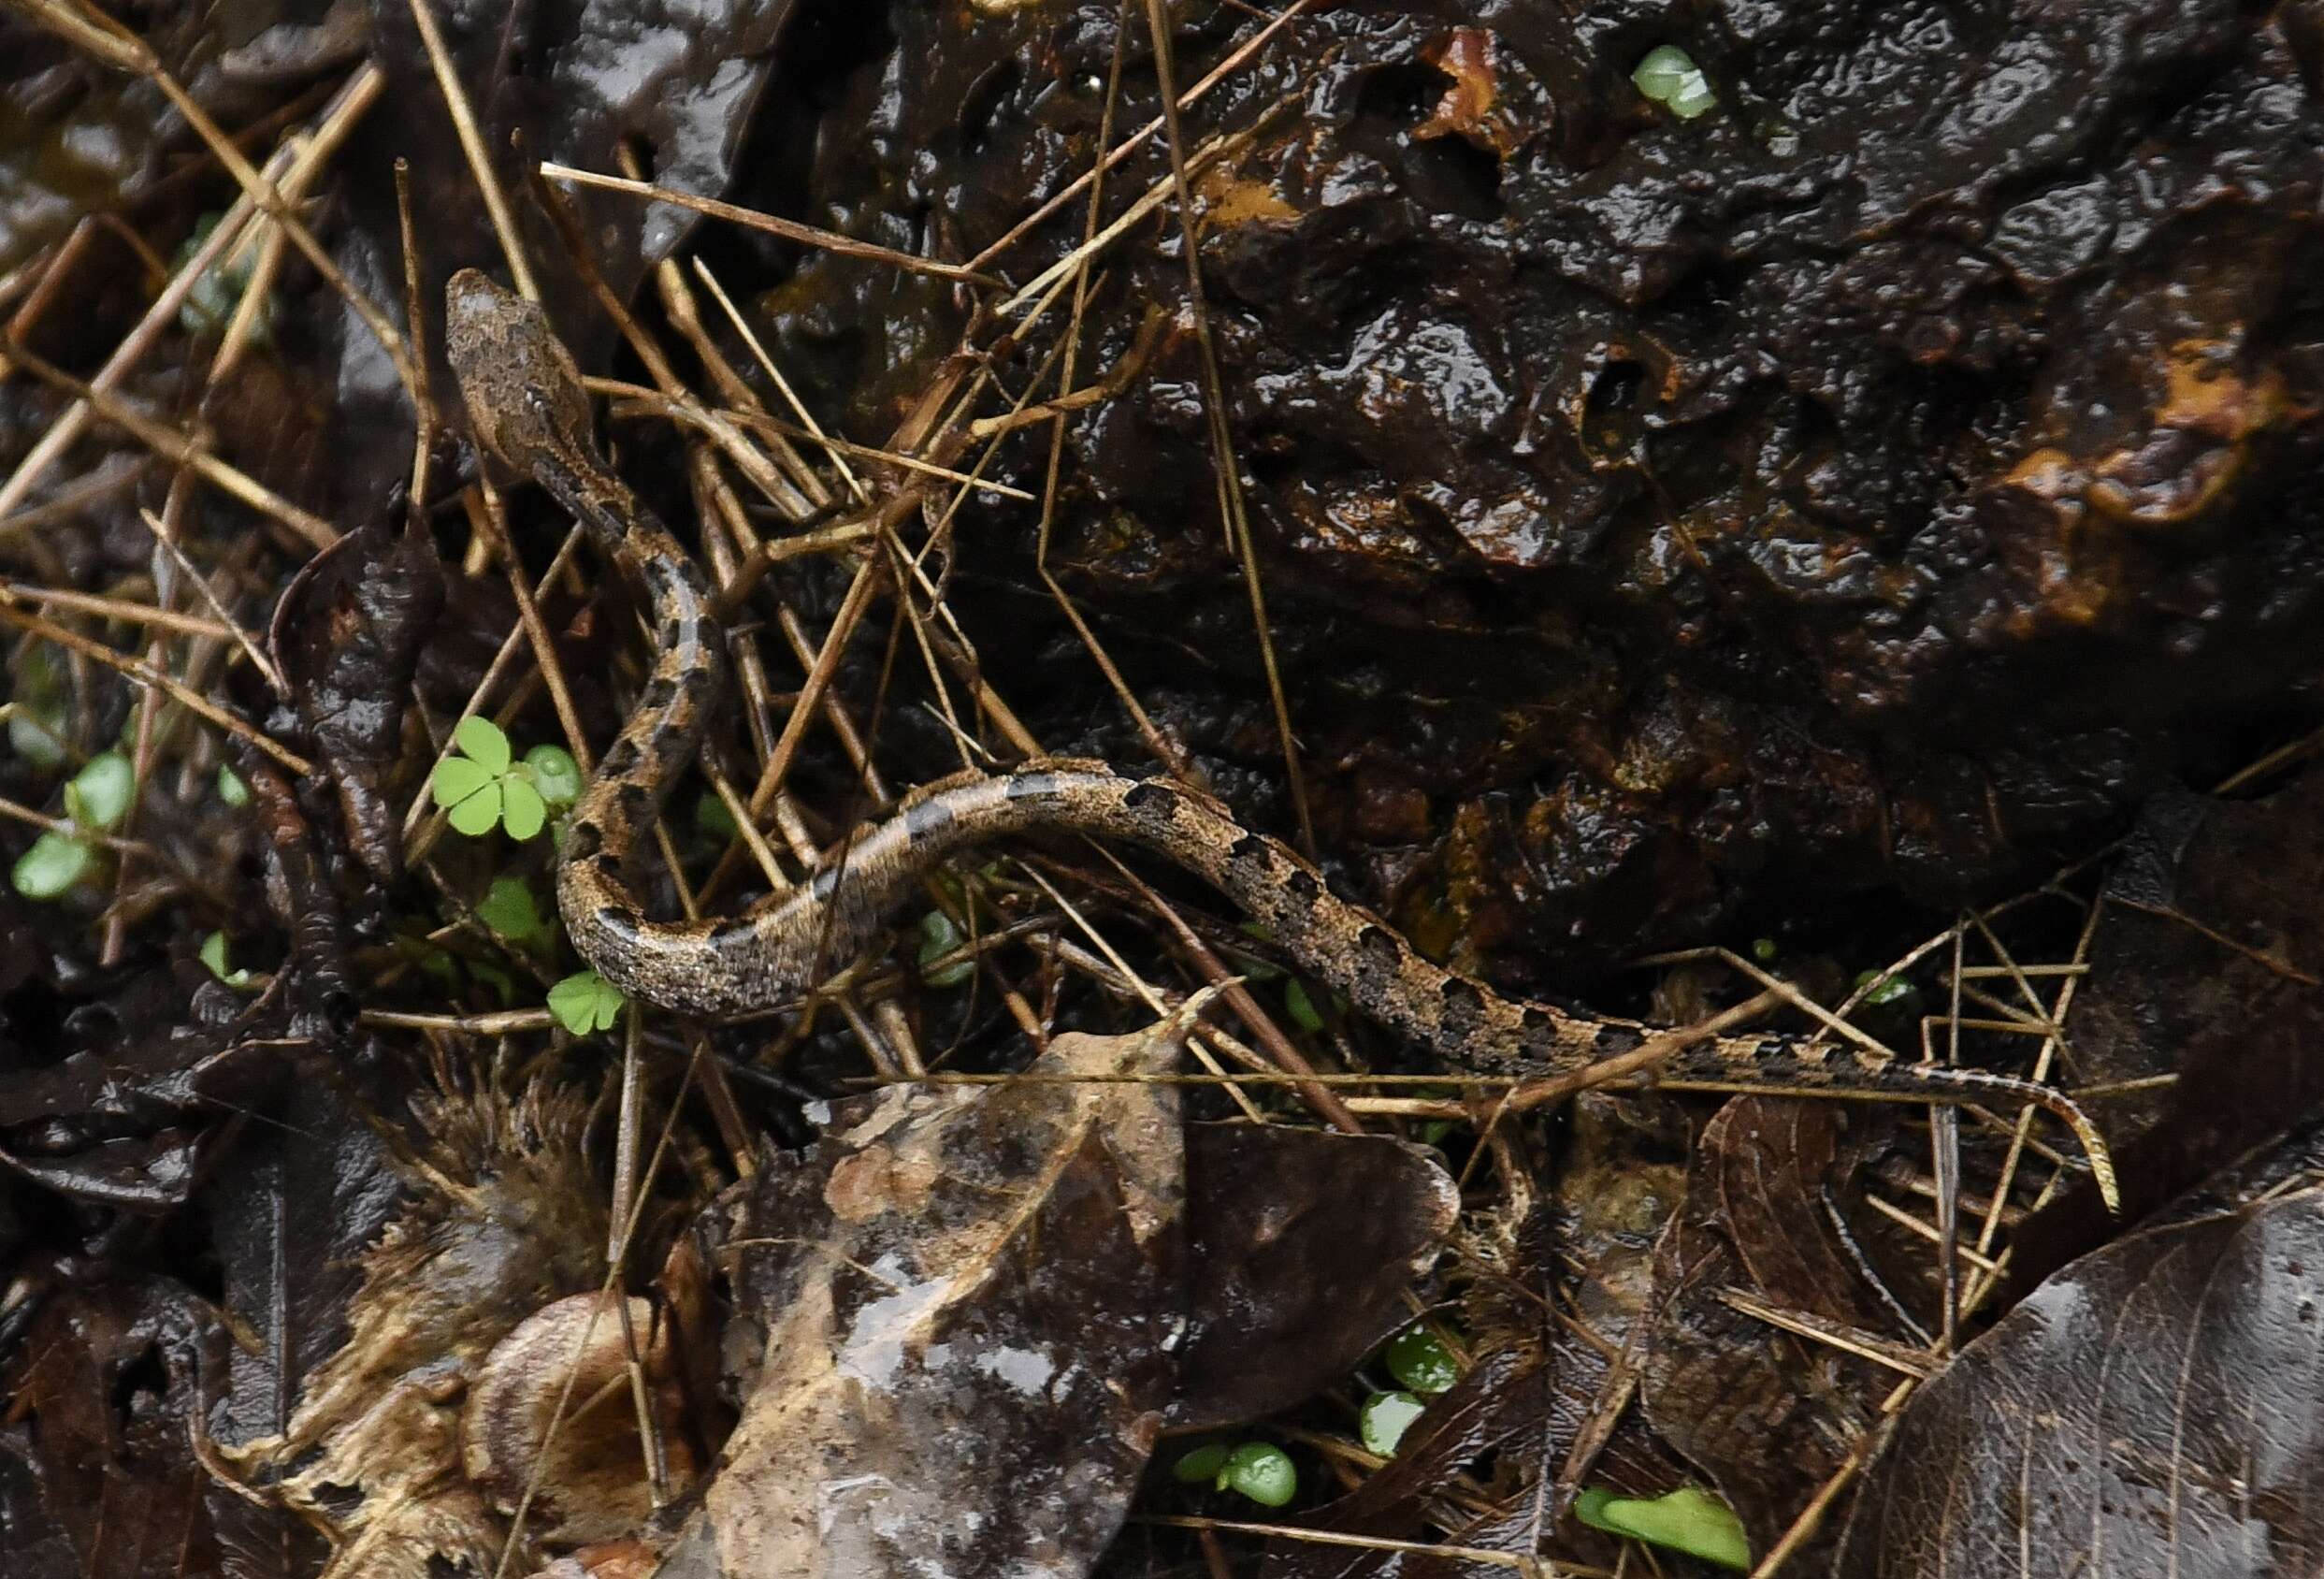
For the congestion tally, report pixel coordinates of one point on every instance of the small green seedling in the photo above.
(508, 910)
(52, 866)
(1689, 1520)
(231, 788)
(555, 774)
(213, 954)
(1671, 77)
(712, 817)
(1262, 1473)
(95, 798)
(1418, 1358)
(1384, 1420)
(585, 1003)
(35, 710)
(36, 735)
(1300, 1007)
(208, 306)
(940, 934)
(99, 794)
(1885, 992)
(482, 787)
(1201, 1464)
(1257, 1470)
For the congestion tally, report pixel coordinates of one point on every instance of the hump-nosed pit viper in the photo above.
(528, 404)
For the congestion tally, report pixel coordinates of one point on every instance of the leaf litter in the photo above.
(1631, 1307)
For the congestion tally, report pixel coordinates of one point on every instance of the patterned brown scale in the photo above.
(526, 401)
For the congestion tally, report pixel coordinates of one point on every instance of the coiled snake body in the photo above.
(527, 401)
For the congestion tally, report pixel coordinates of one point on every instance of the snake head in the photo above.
(524, 393)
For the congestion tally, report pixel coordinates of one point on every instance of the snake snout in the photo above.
(523, 392)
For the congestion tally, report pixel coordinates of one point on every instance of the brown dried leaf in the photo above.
(347, 635)
(1303, 1243)
(1765, 1419)
(2157, 1407)
(2208, 962)
(971, 1306)
(1536, 1397)
(106, 1383)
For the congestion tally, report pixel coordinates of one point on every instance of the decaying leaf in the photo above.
(503, 1217)
(1302, 1243)
(105, 1385)
(972, 1306)
(551, 1422)
(347, 635)
(1547, 1393)
(2155, 1408)
(2208, 962)
(1761, 1414)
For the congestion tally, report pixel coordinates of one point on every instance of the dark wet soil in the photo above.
(1879, 483)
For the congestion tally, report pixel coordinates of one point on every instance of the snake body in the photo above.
(526, 402)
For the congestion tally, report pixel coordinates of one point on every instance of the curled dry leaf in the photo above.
(502, 1217)
(972, 1306)
(347, 635)
(2155, 1408)
(562, 1377)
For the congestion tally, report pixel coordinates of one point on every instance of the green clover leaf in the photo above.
(1384, 1419)
(555, 774)
(50, 867)
(1300, 1007)
(523, 812)
(35, 709)
(1418, 1358)
(585, 1003)
(471, 796)
(940, 934)
(485, 746)
(483, 786)
(1689, 1519)
(99, 794)
(213, 954)
(712, 817)
(1885, 992)
(1262, 1473)
(1204, 1463)
(508, 910)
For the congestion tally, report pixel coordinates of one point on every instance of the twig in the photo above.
(829, 240)
(144, 673)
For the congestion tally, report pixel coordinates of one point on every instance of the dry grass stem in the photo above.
(807, 235)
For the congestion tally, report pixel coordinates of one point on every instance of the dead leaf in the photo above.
(2207, 963)
(1303, 1243)
(106, 1384)
(2155, 1408)
(347, 634)
(1510, 1426)
(501, 1216)
(971, 1305)
(1764, 1416)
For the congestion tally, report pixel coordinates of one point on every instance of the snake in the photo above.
(526, 404)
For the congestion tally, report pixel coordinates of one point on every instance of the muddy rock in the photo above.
(1879, 481)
